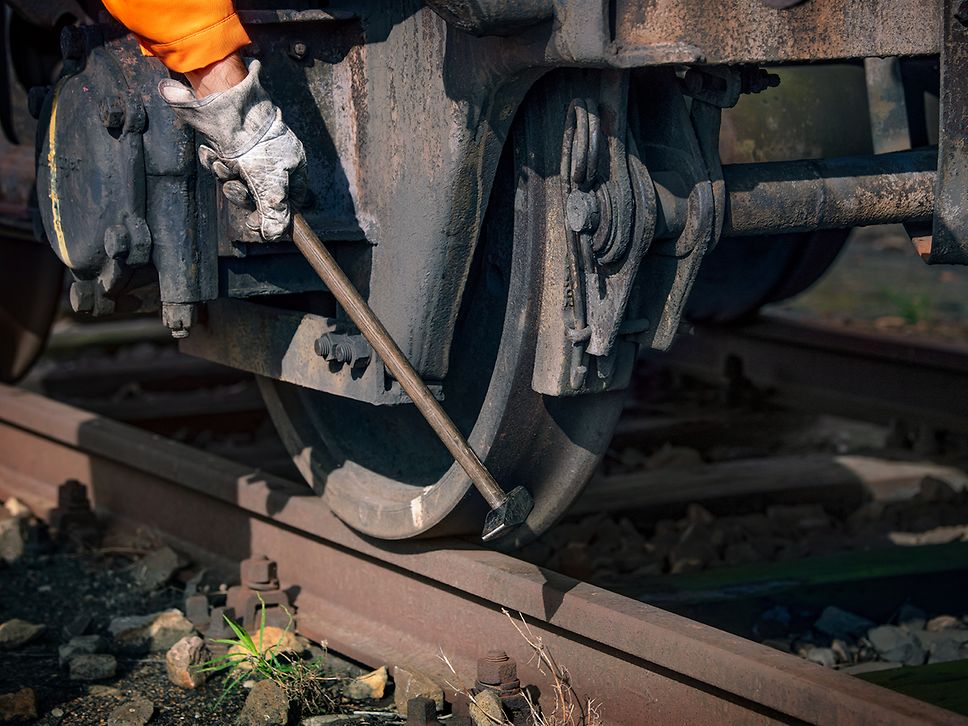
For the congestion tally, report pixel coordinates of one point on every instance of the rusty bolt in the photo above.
(259, 573)
(82, 296)
(421, 711)
(496, 668)
(112, 112)
(35, 100)
(582, 211)
(72, 43)
(297, 50)
(961, 14)
(72, 495)
(756, 80)
(117, 241)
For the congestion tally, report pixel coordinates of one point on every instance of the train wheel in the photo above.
(30, 287)
(381, 469)
(745, 273)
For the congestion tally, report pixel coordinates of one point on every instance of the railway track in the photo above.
(871, 376)
(403, 603)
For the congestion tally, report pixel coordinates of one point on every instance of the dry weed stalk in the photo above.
(569, 708)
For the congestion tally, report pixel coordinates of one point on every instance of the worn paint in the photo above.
(52, 165)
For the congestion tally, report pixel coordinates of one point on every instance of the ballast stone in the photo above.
(95, 667)
(150, 633)
(183, 661)
(16, 632)
(135, 713)
(896, 645)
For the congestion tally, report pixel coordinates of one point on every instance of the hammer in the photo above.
(508, 510)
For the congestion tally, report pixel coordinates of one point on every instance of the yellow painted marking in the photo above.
(52, 166)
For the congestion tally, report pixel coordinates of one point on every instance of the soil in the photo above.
(56, 587)
(53, 585)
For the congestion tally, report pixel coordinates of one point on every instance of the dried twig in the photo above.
(569, 708)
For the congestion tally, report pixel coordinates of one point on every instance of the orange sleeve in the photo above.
(185, 34)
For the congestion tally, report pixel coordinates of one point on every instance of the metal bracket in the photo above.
(290, 346)
(684, 163)
(609, 220)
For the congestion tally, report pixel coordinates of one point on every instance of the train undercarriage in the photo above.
(528, 194)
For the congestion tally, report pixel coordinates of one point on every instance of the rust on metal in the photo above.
(750, 31)
(646, 665)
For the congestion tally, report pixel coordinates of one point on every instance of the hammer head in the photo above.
(515, 508)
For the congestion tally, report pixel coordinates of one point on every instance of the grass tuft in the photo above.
(303, 681)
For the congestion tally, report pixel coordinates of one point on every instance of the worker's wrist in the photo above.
(218, 76)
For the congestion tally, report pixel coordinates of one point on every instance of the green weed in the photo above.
(913, 308)
(303, 682)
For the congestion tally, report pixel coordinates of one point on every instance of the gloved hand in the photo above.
(258, 157)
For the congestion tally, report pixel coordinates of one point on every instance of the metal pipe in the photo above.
(799, 196)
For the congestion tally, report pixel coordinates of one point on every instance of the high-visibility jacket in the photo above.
(184, 34)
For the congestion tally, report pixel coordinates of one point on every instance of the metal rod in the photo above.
(798, 196)
(396, 362)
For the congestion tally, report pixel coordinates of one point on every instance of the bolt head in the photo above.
(258, 570)
(82, 296)
(112, 113)
(117, 241)
(421, 709)
(297, 50)
(582, 212)
(496, 668)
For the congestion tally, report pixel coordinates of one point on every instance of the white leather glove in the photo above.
(258, 157)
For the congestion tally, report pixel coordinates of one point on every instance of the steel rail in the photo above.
(871, 376)
(402, 603)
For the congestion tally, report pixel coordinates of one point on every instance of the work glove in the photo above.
(257, 157)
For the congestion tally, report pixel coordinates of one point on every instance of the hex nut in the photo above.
(421, 710)
(297, 50)
(112, 112)
(496, 668)
(117, 241)
(82, 296)
(258, 570)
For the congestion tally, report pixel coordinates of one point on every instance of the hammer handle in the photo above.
(396, 362)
